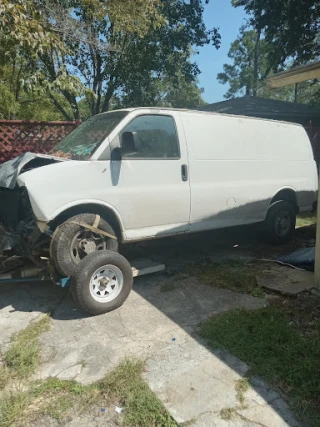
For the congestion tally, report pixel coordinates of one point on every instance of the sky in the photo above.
(218, 13)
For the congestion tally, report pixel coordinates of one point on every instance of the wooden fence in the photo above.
(17, 136)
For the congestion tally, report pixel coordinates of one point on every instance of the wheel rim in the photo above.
(106, 283)
(84, 243)
(282, 223)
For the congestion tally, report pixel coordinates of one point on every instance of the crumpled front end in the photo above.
(18, 228)
(16, 218)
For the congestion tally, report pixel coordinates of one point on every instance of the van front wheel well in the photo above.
(286, 195)
(105, 213)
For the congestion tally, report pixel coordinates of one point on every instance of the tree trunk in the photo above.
(296, 92)
(108, 96)
(256, 64)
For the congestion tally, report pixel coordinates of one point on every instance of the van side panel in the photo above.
(238, 164)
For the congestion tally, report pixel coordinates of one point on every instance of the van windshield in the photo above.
(85, 139)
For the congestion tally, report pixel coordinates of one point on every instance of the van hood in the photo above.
(10, 170)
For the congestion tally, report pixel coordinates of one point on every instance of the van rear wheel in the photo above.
(280, 224)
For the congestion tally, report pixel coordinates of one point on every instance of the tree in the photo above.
(44, 34)
(133, 57)
(291, 26)
(17, 102)
(22, 28)
(249, 53)
(168, 91)
(247, 74)
(92, 52)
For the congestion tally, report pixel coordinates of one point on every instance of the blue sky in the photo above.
(218, 13)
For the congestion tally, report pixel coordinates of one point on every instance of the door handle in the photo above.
(184, 172)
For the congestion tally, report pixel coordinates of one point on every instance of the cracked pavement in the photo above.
(193, 382)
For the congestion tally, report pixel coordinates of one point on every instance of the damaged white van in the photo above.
(143, 173)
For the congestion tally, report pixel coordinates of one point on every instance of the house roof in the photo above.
(268, 108)
(295, 75)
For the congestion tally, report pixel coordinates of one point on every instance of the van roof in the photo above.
(185, 110)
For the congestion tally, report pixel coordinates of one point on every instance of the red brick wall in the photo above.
(17, 136)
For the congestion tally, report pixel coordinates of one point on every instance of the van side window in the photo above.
(156, 137)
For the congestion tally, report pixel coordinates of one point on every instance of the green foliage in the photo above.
(176, 92)
(8, 104)
(22, 27)
(290, 26)
(26, 103)
(250, 54)
(134, 66)
(88, 56)
(247, 68)
(268, 342)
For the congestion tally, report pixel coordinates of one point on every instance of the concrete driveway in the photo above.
(194, 383)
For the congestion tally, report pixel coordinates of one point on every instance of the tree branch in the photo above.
(60, 108)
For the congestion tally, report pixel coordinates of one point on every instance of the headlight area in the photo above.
(18, 229)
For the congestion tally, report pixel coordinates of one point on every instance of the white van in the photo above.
(144, 173)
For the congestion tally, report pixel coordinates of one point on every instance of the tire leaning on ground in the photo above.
(280, 224)
(71, 242)
(102, 282)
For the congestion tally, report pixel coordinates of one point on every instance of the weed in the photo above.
(233, 275)
(227, 413)
(188, 423)
(167, 287)
(56, 397)
(23, 356)
(306, 219)
(143, 408)
(241, 387)
(4, 376)
(12, 406)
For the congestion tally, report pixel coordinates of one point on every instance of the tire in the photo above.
(87, 288)
(71, 242)
(280, 224)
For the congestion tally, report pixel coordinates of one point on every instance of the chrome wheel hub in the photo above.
(106, 283)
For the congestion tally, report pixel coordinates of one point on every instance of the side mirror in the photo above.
(129, 143)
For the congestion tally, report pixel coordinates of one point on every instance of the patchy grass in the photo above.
(272, 342)
(241, 387)
(142, 407)
(4, 376)
(123, 387)
(227, 413)
(188, 423)
(23, 356)
(167, 287)
(12, 406)
(235, 275)
(306, 219)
